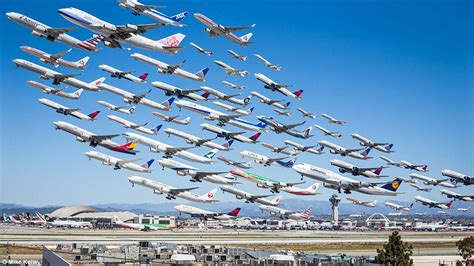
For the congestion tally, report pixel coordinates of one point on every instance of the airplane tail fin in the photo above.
(228, 143)
(276, 200)
(172, 40)
(83, 62)
(247, 99)
(307, 132)
(298, 93)
(179, 17)
(365, 153)
(97, 81)
(210, 195)
(186, 120)
(255, 136)
(246, 37)
(287, 104)
(78, 93)
(210, 154)
(378, 171)
(234, 212)
(393, 186)
(93, 115)
(167, 104)
(131, 109)
(389, 147)
(289, 163)
(91, 43)
(250, 110)
(411, 205)
(148, 164)
(425, 168)
(156, 129)
(307, 214)
(449, 204)
(116, 220)
(206, 94)
(129, 145)
(313, 188)
(143, 76)
(202, 73)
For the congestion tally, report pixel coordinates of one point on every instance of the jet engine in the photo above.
(131, 27)
(38, 34)
(181, 173)
(80, 139)
(342, 170)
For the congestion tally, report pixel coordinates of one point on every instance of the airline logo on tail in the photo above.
(157, 129)
(298, 93)
(228, 143)
(234, 212)
(255, 136)
(366, 152)
(93, 115)
(211, 153)
(167, 104)
(378, 171)
(91, 43)
(306, 214)
(206, 94)
(143, 76)
(211, 194)
(393, 186)
(179, 17)
(148, 164)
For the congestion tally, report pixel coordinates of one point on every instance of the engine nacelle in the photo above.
(342, 170)
(207, 30)
(189, 141)
(125, 100)
(38, 34)
(40, 29)
(131, 27)
(361, 143)
(221, 27)
(80, 139)
(181, 173)
(426, 183)
(154, 149)
(326, 185)
(109, 27)
(238, 197)
(355, 170)
(110, 44)
(332, 151)
(156, 191)
(260, 185)
(44, 77)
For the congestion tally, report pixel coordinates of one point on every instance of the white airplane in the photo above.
(268, 101)
(149, 11)
(431, 181)
(203, 214)
(61, 109)
(173, 119)
(370, 172)
(267, 63)
(236, 56)
(279, 149)
(119, 163)
(453, 195)
(276, 126)
(138, 127)
(432, 227)
(333, 120)
(83, 135)
(229, 108)
(464, 209)
(251, 198)
(267, 161)
(55, 59)
(48, 90)
(233, 86)
(67, 223)
(131, 98)
(129, 34)
(227, 161)
(215, 29)
(230, 70)
(326, 132)
(432, 203)
(164, 68)
(227, 97)
(302, 148)
(46, 73)
(311, 190)
(132, 226)
(262, 182)
(336, 149)
(172, 192)
(406, 164)
(121, 109)
(55, 34)
(201, 50)
(197, 141)
(287, 214)
(273, 86)
(280, 112)
(222, 133)
(171, 90)
(116, 73)
(456, 176)
(383, 147)
(306, 114)
(420, 188)
(397, 206)
(370, 204)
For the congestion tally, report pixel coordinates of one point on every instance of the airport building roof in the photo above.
(86, 212)
(71, 211)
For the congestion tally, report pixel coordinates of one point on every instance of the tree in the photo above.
(466, 247)
(395, 252)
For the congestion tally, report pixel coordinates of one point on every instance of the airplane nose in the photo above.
(17, 61)
(10, 15)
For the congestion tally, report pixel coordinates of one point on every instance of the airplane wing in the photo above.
(70, 110)
(172, 117)
(122, 162)
(201, 174)
(231, 134)
(58, 31)
(233, 29)
(141, 28)
(175, 150)
(354, 150)
(138, 97)
(59, 55)
(254, 197)
(61, 77)
(231, 95)
(275, 101)
(295, 183)
(362, 169)
(185, 92)
(124, 72)
(290, 126)
(99, 138)
(142, 7)
(201, 141)
(271, 160)
(175, 191)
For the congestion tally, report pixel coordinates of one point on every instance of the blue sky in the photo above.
(397, 71)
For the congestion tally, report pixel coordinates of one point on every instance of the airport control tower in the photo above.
(335, 208)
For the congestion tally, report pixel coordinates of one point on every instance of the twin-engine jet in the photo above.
(333, 120)
(273, 86)
(197, 141)
(398, 207)
(268, 64)
(222, 133)
(171, 90)
(433, 204)
(302, 148)
(453, 195)
(336, 149)
(120, 109)
(138, 127)
(383, 147)
(309, 191)
(420, 188)
(235, 109)
(281, 150)
(227, 161)
(458, 177)
(233, 86)
(227, 97)
(406, 164)
(173, 119)
(263, 182)
(287, 214)
(266, 161)
(215, 29)
(205, 215)
(306, 114)
(268, 101)
(370, 172)
(326, 132)
(434, 182)
(278, 127)
(116, 73)
(251, 198)
(61, 109)
(150, 11)
(201, 50)
(56, 59)
(119, 163)
(48, 90)
(230, 70)
(237, 56)
(370, 204)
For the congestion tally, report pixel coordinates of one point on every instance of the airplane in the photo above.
(201, 50)
(310, 149)
(306, 114)
(173, 119)
(268, 101)
(311, 190)
(48, 90)
(46, 73)
(370, 204)
(464, 209)
(191, 139)
(266, 161)
(61, 109)
(458, 177)
(236, 56)
(172, 192)
(222, 133)
(215, 29)
(267, 63)
(138, 127)
(326, 132)
(171, 90)
(230, 70)
(197, 175)
(286, 214)
(131, 98)
(121, 109)
(336, 149)
(64, 223)
(431, 181)
(279, 149)
(203, 214)
(383, 147)
(276, 126)
(119, 163)
(233, 86)
(280, 112)
(432, 203)
(150, 11)
(398, 207)
(235, 109)
(345, 167)
(227, 161)
(406, 164)
(432, 227)
(227, 97)
(55, 59)
(273, 86)
(333, 120)
(420, 188)
(141, 227)
(164, 68)
(129, 33)
(55, 34)
(83, 135)
(263, 182)
(251, 198)
(116, 73)
(453, 195)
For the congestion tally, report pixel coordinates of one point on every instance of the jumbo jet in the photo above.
(83, 135)
(336, 149)
(119, 163)
(398, 207)
(268, 101)
(280, 112)
(267, 63)
(48, 90)
(55, 34)
(116, 73)
(131, 98)
(263, 182)
(233, 86)
(129, 33)
(309, 191)
(453, 195)
(201, 50)
(433, 204)
(46, 73)
(205, 215)
(251, 198)
(333, 120)
(227, 161)
(150, 11)
(237, 56)
(370, 172)
(434, 182)
(138, 127)
(222, 133)
(383, 147)
(302, 148)
(326, 132)
(227, 97)
(370, 204)
(61, 109)
(171, 90)
(266, 161)
(172, 192)
(120, 109)
(175, 69)
(281, 150)
(406, 164)
(420, 188)
(197, 141)
(197, 175)
(233, 109)
(287, 214)
(458, 177)
(273, 86)
(230, 70)
(306, 114)
(55, 59)
(215, 29)
(173, 119)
